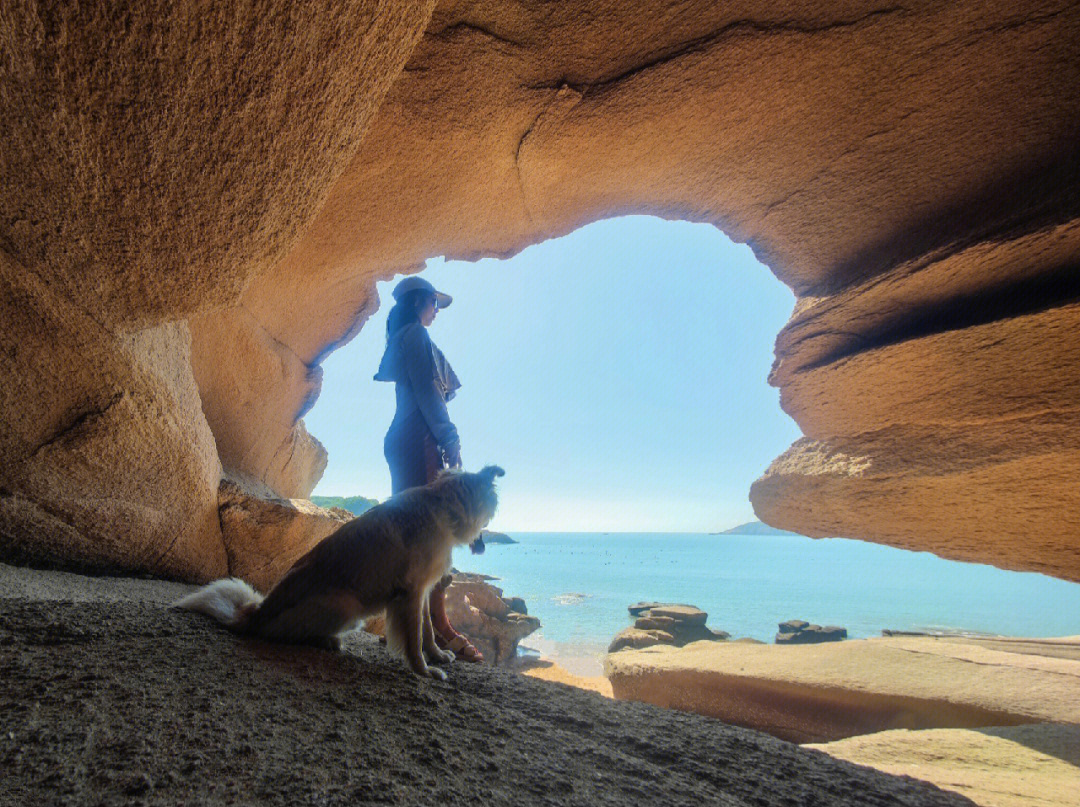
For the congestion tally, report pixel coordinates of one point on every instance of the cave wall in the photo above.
(910, 171)
(155, 156)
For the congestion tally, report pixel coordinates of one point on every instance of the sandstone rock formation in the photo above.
(248, 722)
(637, 638)
(659, 623)
(265, 535)
(153, 159)
(1011, 766)
(825, 692)
(799, 631)
(477, 609)
(911, 172)
(105, 457)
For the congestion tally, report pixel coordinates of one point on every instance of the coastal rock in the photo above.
(1007, 766)
(258, 432)
(153, 163)
(516, 604)
(665, 623)
(106, 461)
(264, 534)
(820, 693)
(637, 638)
(294, 713)
(897, 220)
(796, 631)
(682, 614)
(654, 622)
(925, 214)
(477, 609)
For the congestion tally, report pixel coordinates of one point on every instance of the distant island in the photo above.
(354, 504)
(497, 538)
(754, 528)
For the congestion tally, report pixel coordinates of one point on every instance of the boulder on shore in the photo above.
(797, 631)
(478, 609)
(665, 623)
(820, 693)
(635, 638)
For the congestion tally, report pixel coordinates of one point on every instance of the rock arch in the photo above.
(910, 171)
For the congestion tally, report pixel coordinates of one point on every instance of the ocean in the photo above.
(580, 584)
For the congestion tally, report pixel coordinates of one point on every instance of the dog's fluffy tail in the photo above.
(230, 601)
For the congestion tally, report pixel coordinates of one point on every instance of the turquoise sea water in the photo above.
(579, 585)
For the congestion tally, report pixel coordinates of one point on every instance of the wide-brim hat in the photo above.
(413, 283)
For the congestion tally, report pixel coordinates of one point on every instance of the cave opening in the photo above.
(619, 375)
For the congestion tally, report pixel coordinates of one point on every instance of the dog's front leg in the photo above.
(404, 633)
(432, 651)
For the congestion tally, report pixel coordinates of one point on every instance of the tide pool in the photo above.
(580, 584)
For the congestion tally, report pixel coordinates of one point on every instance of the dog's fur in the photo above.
(386, 559)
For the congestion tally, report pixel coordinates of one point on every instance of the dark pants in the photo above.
(411, 453)
(414, 460)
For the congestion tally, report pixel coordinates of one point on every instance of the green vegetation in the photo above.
(354, 504)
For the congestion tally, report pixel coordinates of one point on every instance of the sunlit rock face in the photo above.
(154, 157)
(910, 171)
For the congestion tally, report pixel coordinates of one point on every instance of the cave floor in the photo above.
(127, 702)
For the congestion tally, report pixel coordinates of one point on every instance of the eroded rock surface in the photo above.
(912, 172)
(825, 692)
(105, 458)
(477, 609)
(669, 624)
(265, 535)
(1010, 766)
(799, 631)
(172, 708)
(862, 157)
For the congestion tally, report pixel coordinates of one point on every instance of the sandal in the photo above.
(461, 647)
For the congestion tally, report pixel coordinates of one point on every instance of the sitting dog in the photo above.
(386, 559)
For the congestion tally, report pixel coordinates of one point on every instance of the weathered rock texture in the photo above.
(799, 631)
(105, 457)
(154, 158)
(265, 535)
(670, 624)
(1011, 766)
(477, 609)
(826, 692)
(913, 172)
(97, 709)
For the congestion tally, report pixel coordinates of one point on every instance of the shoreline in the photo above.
(584, 659)
(545, 669)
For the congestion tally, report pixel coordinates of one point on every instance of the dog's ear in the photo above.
(489, 472)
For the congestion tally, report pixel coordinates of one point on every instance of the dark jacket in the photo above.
(423, 381)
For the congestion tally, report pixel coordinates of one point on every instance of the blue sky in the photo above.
(616, 373)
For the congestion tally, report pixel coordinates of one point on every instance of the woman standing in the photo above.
(421, 440)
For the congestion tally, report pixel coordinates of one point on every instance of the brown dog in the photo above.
(386, 559)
